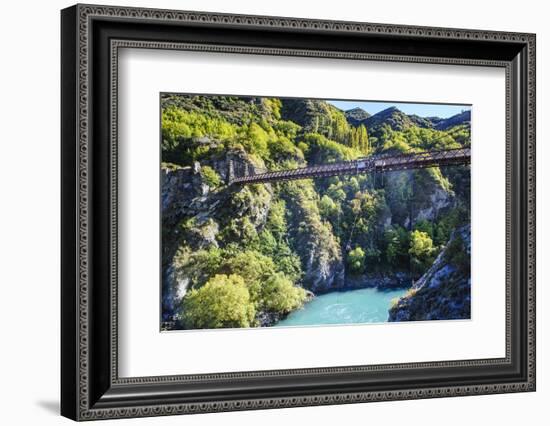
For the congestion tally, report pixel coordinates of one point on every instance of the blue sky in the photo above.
(423, 110)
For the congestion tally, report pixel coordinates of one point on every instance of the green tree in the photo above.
(288, 262)
(323, 150)
(274, 105)
(280, 295)
(328, 208)
(421, 251)
(424, 226)
(356, 260)
(456, 254)
(197, 266)
(397, 246)
(254, 267)
(256, 140)
(286, 128)
(281, 148)
(360, 139)
(223, 302)
(276, 221)
(210, 177)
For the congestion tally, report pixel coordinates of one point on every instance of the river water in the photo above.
(366, 305)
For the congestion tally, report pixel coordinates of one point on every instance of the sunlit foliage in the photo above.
(224, 301)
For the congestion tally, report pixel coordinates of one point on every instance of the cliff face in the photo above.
(184, 195)
(198, 218)
(443, 292)
(416, 195)
(313, 239)
(195, 212)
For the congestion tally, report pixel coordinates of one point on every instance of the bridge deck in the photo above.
(375, 163)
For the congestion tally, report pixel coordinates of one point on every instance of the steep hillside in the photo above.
(316, 116)
(356, 116)
(392, 117)
(456, 120)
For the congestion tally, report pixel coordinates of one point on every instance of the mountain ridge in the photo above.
(398, 120)
(356, 116)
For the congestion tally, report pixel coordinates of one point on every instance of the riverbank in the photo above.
(379, 281)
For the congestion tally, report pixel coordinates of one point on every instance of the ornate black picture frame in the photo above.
(91, 36)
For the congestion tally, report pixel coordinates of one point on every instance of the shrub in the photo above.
(288, 262)
(276, 221)
(178, 125)
(327, 207)
(274, 105)
(210, 177)
(223, 302)
(421, 251)
(282, 148)
(255, 140)
(278, 250)
(254, 268)
(455, 253)
(197, 266)
(373, 256)
(424, 226)
(397, 145)
(304, 147)
(287, 128)
(356, 260)
(397, 246)
(421, 244)
(450, 221)
(323, 150)
(280, 295)
(437, 176)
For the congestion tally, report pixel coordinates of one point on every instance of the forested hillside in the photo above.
(245, 256)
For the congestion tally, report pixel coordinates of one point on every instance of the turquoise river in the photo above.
(366, 305)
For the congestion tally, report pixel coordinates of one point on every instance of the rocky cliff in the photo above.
(198, 218)
(313, 239)
(195, 210)
(443, 292)
(416, 195)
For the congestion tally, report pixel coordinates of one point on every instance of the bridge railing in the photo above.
(246, 173)
(422, 159)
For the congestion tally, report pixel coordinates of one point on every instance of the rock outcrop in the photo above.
(315, 243)
(415, 195)
(443, 292)
(379, 281)
(193, 215)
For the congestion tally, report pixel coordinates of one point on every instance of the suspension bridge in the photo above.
(244, 173)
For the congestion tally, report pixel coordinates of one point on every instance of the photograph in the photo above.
(282, 212)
